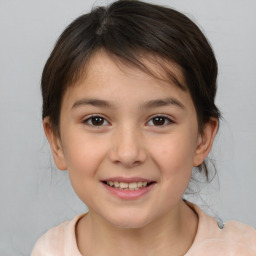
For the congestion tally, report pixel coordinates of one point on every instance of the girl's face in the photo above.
(120, 127)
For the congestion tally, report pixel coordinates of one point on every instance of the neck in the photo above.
(171, 234)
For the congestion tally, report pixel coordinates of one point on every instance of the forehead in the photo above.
(125, 86)
(112, 76)
(142, 65)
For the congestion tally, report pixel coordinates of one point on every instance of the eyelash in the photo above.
(166, 119)
(89, 120)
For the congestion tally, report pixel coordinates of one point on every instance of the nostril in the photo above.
(127, 151)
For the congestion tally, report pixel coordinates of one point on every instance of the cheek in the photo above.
(83, 155)
(174, 155)
(175, 151)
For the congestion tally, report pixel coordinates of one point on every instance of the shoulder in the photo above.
(240, 235)
(234, 239)
(58, 241)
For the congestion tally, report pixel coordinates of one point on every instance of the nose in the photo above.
(127, 148)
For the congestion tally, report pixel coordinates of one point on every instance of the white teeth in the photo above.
(116, 184)
(127, 186)
(123, 185)
(133, 185)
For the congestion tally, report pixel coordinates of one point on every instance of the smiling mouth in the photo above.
(128, 186)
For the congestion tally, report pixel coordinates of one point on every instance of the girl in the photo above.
(128, 109)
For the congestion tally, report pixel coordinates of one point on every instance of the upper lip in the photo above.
(128, 179)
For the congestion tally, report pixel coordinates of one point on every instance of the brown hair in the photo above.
(128, 30)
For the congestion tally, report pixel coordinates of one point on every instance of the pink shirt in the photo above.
(235, 239)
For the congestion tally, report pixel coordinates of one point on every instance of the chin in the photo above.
(129, 220)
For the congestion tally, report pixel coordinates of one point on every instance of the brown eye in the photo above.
(96, 121)
(159, 121)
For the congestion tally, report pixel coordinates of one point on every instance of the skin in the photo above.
(129, 144)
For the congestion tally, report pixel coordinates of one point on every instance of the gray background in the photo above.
(33, 194)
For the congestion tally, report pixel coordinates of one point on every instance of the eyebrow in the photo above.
(149, 104)
(163, 102)
(92, 102)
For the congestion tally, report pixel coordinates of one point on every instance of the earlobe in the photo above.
(205, 141)
(55, 144)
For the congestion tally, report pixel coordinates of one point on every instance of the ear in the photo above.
(55, 144)
(205, 141)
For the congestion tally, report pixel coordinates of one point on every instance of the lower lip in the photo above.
(129, 194)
